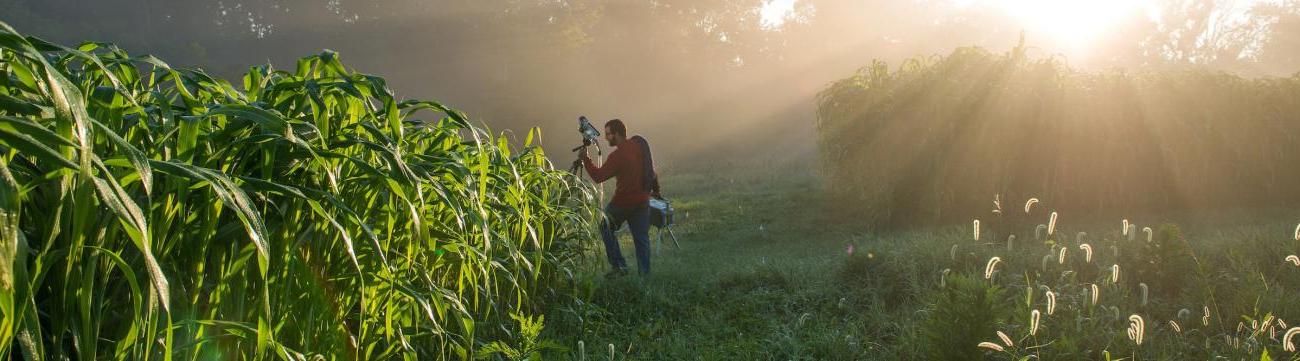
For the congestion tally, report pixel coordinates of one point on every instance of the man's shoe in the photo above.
(616, 273)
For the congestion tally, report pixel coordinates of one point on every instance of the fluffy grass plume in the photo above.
(1051, 224)
(991, 267)
(1033, 321)
(1136, 329)
(991, 346)
(1029, 204)
(1096, 293)
(1287, 342)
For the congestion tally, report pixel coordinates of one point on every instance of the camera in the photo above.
(588, 131)
(590, 136)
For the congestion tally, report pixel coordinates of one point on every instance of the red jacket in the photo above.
(626, 166)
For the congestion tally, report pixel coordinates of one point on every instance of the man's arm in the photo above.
(604, 172)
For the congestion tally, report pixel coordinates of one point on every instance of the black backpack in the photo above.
(649, 180)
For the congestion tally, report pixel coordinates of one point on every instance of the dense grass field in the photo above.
(766, 273)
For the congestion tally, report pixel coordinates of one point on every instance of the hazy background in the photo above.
(709, 82)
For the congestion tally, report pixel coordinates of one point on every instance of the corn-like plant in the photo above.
(151, 212)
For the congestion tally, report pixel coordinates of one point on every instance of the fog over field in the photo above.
(702, 79)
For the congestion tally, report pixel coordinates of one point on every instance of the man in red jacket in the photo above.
(629, 165)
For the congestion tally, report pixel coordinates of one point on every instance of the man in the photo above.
(631, 165)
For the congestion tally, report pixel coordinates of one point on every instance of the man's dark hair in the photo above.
(616, 126)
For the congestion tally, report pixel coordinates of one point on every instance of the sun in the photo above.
(1071, 24)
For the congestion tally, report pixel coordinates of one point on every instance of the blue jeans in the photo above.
(638, 221)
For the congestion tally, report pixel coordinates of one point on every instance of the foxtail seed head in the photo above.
(1030, 203)
(1095, 294)
(1294, 259)
(1033, 321)
(1143, 285)
(1051, 302)
(991, 346)
(1149, 233)
(1087, 252)
(1286, 339)
(1124, 230)
(1051, 224)
(1011, 240)
(1114, 273)
(990, 267)
(1005, 339)
(1061, 257)
(1038, 231)
(1136, 328)
(1174, 325)
(977, 229)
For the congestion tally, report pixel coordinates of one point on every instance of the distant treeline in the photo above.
(937, 138)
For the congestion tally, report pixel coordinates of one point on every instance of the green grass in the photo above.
(790, 291)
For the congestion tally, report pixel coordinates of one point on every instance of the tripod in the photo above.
(577, 163)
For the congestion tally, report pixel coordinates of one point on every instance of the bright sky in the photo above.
(1075, 24)
(775, 12)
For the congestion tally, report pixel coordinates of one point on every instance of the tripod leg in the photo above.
(659, 241)
(670, 234)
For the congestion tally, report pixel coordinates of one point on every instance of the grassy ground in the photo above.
(764, 274)
(751, 281)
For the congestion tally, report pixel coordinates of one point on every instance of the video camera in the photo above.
(589, 133)
(590, 136)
